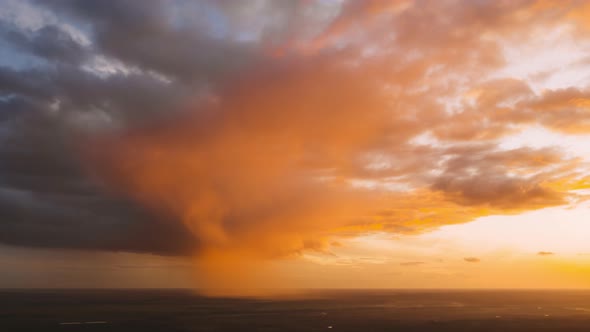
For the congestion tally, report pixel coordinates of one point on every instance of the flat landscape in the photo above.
(350, 310)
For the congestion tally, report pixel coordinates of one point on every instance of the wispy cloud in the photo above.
(411, 263)
(472, 259)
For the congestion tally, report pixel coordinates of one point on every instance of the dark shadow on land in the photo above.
(351, 310)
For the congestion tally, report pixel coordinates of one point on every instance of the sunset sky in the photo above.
(295, 144)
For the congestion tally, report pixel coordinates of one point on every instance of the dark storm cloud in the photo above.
(120, 96)
(46, 197)
(94, 223)
(32, 83)
(49, 42)
(11, 105)
(147, 35)
(46, 200)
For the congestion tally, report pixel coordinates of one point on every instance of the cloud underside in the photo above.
(412, 263)
(472, 259)
(270, 129)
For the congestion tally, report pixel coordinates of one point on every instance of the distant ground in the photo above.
(364, 311)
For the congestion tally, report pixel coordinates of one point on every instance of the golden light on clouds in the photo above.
(392, 118)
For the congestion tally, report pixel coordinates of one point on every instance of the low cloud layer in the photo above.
(472, 259)
(220, 129)
(412, 263)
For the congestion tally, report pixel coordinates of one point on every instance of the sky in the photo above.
(293, 144)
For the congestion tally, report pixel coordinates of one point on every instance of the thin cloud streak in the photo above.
(472, 259)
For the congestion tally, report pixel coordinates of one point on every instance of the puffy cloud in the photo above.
(506, 179)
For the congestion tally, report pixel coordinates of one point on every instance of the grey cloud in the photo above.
(46, 200)
(146, 35)
(49, 42)
(480, 175)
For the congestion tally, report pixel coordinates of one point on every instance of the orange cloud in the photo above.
(472, 259)
(294, 150)
(411, 263)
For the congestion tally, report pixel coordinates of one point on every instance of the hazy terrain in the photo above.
(180, 310)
